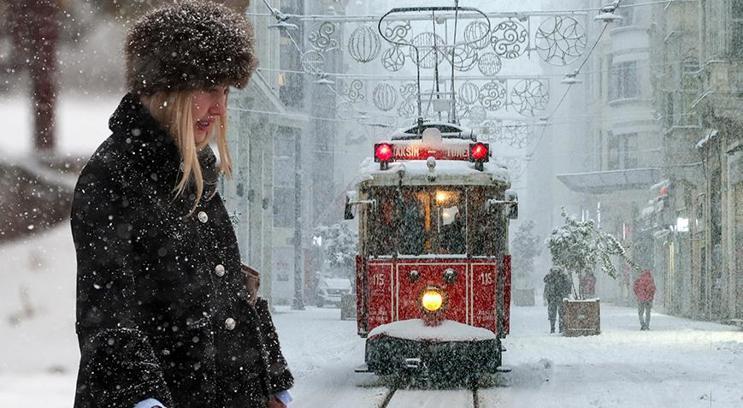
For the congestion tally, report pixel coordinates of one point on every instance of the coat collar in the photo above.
(153, 148)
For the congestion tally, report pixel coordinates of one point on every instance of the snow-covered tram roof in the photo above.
(446, 172)
(432, 153)
(432, 158)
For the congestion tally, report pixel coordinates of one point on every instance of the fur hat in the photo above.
(189, 44)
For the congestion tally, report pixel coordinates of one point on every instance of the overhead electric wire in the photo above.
(506, 14)
(668, 63)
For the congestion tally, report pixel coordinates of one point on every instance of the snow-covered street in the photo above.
(679, 363)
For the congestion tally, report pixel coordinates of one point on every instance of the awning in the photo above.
(599, 182)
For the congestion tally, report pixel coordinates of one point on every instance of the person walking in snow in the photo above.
(166, 314)
(644, 288)
(557, 286)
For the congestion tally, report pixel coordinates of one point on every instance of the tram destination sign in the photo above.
(423, 152)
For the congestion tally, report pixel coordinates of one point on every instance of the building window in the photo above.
(668, 110)
(283, 177)
(291, 89)
(690, 89)
(283, 207)
(713, 33)
(602, 64)
(622, 151)
(623, 81)
(599, 149)
(736, 29)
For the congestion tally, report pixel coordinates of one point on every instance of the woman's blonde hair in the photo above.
(173, 111)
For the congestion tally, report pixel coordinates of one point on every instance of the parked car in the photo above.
(330, 291)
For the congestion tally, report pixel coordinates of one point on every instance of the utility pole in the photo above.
(298, 302)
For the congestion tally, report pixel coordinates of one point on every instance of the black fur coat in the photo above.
(161, 309)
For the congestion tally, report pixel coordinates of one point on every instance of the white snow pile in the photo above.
(448, 330)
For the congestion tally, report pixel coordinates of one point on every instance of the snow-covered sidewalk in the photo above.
(679, 363)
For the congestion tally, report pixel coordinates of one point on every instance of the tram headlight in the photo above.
(432, 299)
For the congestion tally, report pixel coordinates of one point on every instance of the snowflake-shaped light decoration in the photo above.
(560, 40)
(397, 31)
(393, 58)
(529, 95)
(468, 93)
(464, 58)
(364, 44)
(474, 33)
(489, 64)
(384, 97)
(475, 115)
(408, 108)
(323, 39)
(515, 133)
(493, 95)
(494, 131)
(313, 62)
(490, 130)
(408, 89)
(355, 90)
(431, 49)
(510, 39)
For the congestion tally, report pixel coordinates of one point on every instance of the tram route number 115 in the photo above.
(377, 279)
(486, 278)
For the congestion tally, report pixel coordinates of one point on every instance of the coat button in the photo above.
(203, 217)
(230, 323)
(219, 270)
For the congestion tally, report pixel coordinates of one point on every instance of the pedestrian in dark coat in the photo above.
(164, 317)
(644, 288)
(557, 286)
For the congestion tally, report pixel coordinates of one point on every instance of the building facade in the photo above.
(699, 45)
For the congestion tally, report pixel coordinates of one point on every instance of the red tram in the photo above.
(433, 267)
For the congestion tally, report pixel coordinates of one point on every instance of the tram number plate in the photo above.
(484, 295)
(380, 294)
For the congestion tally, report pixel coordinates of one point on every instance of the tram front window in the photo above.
(382, 222)
(432, 221)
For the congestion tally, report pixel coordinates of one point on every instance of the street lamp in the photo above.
(607, 13)
(283, 25)
(323, 80)
(571, 79)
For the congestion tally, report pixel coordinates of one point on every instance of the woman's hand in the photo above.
(252, 282)
(275, 403)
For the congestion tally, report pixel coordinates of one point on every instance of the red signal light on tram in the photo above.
(382, 152)
(479, 152)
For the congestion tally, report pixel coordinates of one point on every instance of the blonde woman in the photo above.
(164, 317)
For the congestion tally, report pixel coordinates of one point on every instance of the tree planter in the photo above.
(523, 297)
(582, 317)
